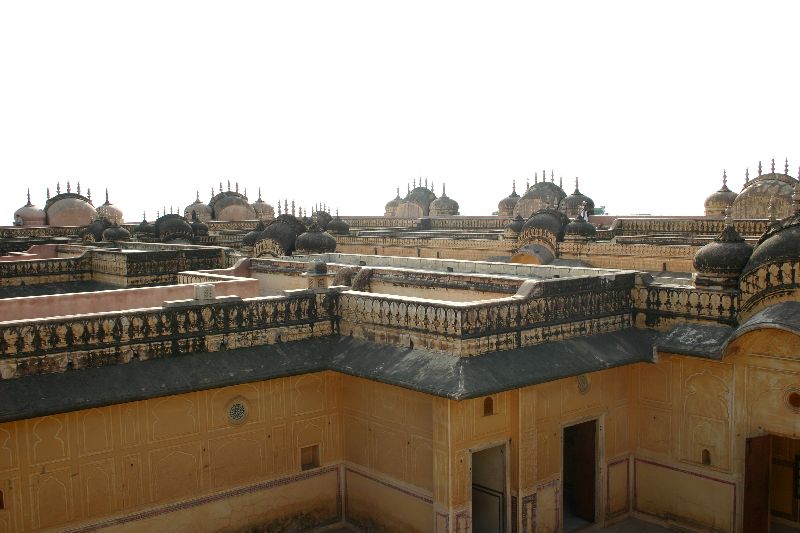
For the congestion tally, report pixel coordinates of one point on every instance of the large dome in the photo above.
(109, 211)
(572, 205)
(29, 214)
(781, 241)
(337, 226)
(505, 208)
(754, 199)
(204, 213)
(416, 204)
(69, 209)
(116, 233)
(721, 261)
(549, 220)
(444, 206)
(542, 195)
(716, 204)
(391, 205)
(231, 206)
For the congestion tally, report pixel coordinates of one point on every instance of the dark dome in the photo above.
(716, 204)
(173, 227)
(548, 220)
(542, 195)
(721, 262)
(116, 233)
(315, 241)
(337, 226)
(297, 226)
(281, 232)
(572, 204)
(581, 228)
(322, 218)
(781, 241)
(95, 228)
(252, 237)
(199, 228)
(416, 203)
(515, 225)
(145, 228)
(505, 208)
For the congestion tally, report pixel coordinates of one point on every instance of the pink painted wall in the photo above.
(37, 251)
(114, 300)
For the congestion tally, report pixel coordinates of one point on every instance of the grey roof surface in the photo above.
(784, 315)
(428, 372)
(700, 340)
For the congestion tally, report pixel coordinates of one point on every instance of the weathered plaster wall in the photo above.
(163, 462)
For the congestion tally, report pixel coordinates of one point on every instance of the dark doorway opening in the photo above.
(580, 475)
(489, 490)
(772, 484)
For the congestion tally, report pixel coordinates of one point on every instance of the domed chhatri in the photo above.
(337, 226)
(69, 208)
(175, 229)
(754, 199)
(145, 231)
(573, 204)
(231, 206)
(279, 237)
(781, 241)
(199, 228)
(505, 208)
(720, 263)
(315, 241)
(109, 211)
(252, 237)
(29, 214)
(548, 220)
(541, 195)
(204, 213)
(716, 204)
(417, 203)
(116, 233)
(580, 228)
(263, 210)
(93, 232)
(444, 206)
(391, 206)
(514, 228)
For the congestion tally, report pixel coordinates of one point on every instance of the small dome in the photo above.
(542, 195)
(337, 226)
(548, 220)
(716, 204)
(200, 229)
(315, 241)
(315, 266)
(580, 228)
(116, 233)
(721, 261)
(506, 206)
(391, 206)
(756, 195)
(174, 227)
(322, 218)
(781, 241)
(145, 228)
(69, 209)
(252, 237)
(204, 213)
(444, 206)
(572, 205)
(263, 210)
(109, 211)
(29, 214)
(94, 230)
(514, 228)
(416, 204)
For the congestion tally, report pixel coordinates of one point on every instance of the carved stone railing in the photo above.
(116, 337)
(635, 250)
(20, 232)
(421, 242)
(46, 270)
(686, 226)
(379, 222)
(472, 328)
(657, 305)
(767, 283)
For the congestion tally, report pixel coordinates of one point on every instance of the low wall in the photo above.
(54, 305)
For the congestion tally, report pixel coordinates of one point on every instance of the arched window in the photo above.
(488, 406)
(706, 457)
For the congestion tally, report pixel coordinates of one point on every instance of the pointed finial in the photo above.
(68, 186)
(212, 193)
(197, 198)
(747, 175)
(292, 207)
(535, 178)
(107, 202)
(29, 196)
(48, 193)
(786, 167)
(89, 195)
(237, 186)
(144, 216)
(58, 187)
(513, 186)
(279, 207)
(408, 187)
(759, 168)
(337, 212)
(443, 191)
(431, 185)
(158, 214)
(561, 182)
(259, 194)
(771, 209)
(286, 206)
(245, 192)
(426, 183)
(552, 177)
(773, 165)
(728, 219)
(79, 187)
(527, 185)
(544, 176)
(576, 185)
(220, 187)
(724, 178)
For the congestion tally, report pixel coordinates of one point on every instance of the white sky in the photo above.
(342, 101)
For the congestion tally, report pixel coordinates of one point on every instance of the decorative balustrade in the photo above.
(181, 329)
(45, 270)
(767, 282)
(622, 249)
(667, 301)
(693, 226)
(423, 242)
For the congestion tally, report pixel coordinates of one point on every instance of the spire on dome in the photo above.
(107, 202)
(29, 204)
(79, 187)
(724, 178)
(759, 168)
